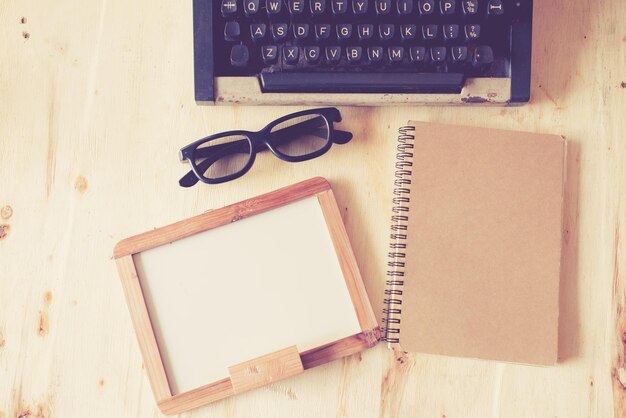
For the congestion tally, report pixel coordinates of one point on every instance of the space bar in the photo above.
(281, 82)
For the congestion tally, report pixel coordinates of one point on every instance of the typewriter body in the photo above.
(362, 52)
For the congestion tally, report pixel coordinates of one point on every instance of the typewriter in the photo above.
(362, 52)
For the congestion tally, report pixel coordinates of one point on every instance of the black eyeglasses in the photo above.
(228, 155)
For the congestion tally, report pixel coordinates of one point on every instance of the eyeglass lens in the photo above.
(223, 156)
(300, 136)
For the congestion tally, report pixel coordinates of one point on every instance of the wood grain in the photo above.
(344, 347)
(347, 262)
(219, 217)
(311, 358)
(143, 328)
(264, 370)
(101, 91)
(197, 397)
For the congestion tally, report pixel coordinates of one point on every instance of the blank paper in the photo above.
(244, 290)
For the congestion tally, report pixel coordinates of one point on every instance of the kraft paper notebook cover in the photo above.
(476, 243)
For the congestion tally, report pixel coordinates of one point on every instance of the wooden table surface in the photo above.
(96, 99)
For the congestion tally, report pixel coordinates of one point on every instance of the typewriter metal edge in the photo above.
(209, 90)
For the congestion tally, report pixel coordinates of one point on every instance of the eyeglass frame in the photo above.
(258, 141)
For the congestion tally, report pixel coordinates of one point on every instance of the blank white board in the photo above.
(245, 290)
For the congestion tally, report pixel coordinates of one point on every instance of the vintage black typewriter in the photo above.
(365, 52)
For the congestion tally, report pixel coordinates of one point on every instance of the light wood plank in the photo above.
(143, 328)
(347, 262)
(264, 370)
(96, 103)
(339, 349)
(219, 217)
(194, 398)
(224, 388)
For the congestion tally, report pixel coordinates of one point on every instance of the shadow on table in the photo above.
(557, 53)
(569, 315)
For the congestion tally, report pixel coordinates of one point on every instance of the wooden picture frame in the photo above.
(273, 366)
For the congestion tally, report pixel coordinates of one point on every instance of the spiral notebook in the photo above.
(475, 245)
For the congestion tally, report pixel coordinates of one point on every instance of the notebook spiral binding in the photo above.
(397, 244)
